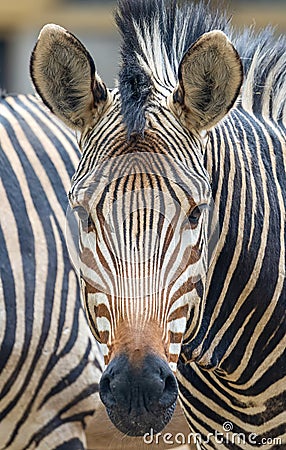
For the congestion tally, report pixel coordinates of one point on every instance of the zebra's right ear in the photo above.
(64, 75)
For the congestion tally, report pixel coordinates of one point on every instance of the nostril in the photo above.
(105, 391)
(170, 391)
(170, 383)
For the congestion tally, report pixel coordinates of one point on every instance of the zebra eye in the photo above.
(195, 215)
(85, 218)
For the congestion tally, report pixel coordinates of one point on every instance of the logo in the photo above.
(227, 436)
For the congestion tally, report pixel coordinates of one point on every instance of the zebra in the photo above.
(50, 363)
(180, 199)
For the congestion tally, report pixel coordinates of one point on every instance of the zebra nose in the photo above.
(150, 386)
(139, 398)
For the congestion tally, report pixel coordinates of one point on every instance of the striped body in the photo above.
(49, 364)
(179, 151)
(238, 360)
(236, 369)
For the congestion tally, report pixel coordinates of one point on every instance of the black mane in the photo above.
(187, 22)
(169, 28)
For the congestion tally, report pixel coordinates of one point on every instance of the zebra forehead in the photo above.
(152, 161)
(137, 199)
(140, 191)
(148, 177)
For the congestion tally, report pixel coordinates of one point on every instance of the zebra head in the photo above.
(142, 195)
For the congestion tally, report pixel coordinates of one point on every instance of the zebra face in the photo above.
(143, 251)
(142, 196)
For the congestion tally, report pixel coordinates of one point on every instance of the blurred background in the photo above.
(92, 22)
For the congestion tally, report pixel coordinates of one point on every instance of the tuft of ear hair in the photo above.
(64, 75)
(210, 77)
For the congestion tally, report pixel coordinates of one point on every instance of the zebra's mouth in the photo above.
(139, 399)
(138, 425)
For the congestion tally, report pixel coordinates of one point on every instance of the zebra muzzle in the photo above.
(141, 398)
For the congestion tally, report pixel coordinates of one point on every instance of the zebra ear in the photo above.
(210, 78)
(64, 76)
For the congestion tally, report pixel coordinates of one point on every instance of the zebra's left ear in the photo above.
(64, 75)
(210, 78)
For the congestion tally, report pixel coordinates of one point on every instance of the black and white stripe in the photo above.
(232, 365)
(236, 368)
(50, 364)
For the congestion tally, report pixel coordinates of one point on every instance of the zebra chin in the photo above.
(139, 398)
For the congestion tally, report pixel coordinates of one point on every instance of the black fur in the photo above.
(271, 49)
(136, 85)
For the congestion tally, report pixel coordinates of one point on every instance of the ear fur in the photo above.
(64, 76)
(210, 78)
